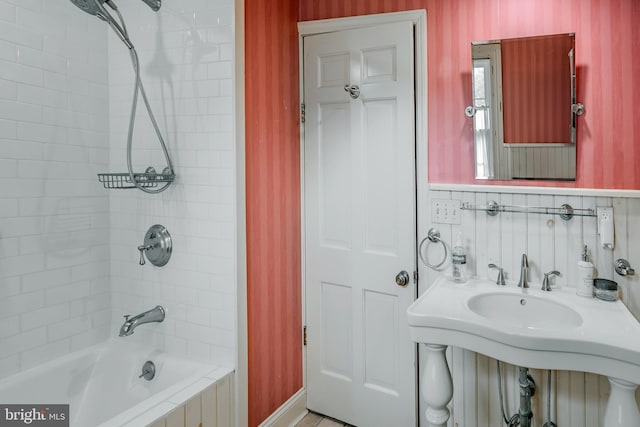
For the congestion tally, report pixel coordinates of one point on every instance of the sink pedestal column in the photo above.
(622, 409)
(436, 385)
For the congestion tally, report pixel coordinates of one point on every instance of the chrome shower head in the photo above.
(96, 7)
(92, 7)
(89, 6)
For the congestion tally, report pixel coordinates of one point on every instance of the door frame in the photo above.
(419, 20)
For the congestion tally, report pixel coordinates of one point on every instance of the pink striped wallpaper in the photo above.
(536, 89)
(274, 301)
(608, 60)
(608, 53)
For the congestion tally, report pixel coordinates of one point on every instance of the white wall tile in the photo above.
(8, 89)
(65, 93)
(41, 96)
(16, 344)
(9, 326)
(7, 12)
(51, 278)
(9, 365)
(12, 110)
(44, 316)
(67, 328)
(8, 129)
(33, 5)
(191, 208)
(21, 74)
(20, 36)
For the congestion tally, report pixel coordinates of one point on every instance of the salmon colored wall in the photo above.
(274, 301)
(607, 57)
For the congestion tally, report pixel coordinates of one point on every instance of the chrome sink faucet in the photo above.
(500, 280)
(546, 285)
(524, 271)
(156, 314)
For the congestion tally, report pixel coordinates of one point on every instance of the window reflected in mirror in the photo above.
(482, 118)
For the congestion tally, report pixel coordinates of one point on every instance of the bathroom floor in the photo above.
(316, 420)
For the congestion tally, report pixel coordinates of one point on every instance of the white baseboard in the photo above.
(292, 411)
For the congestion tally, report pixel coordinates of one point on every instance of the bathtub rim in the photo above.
(206, 373)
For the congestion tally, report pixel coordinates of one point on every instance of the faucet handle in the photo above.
(126, 317)
(500, 280)
(142, 248)
(623, 267)
(546, 286)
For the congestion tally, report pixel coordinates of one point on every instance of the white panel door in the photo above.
(360, 224)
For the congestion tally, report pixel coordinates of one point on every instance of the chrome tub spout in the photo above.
(156, 314)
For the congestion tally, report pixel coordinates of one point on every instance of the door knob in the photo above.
(402, 278)
(354, 91)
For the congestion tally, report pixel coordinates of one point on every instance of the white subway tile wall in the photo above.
(54, 218)
(186, 53)
(68, 259)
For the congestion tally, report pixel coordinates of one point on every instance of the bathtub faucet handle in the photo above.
(143, 248)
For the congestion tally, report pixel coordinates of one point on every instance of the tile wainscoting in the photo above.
(212, 407)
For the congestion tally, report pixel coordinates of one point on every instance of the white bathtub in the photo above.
(102, 387)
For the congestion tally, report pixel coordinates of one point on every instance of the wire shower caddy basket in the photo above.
(149, 179)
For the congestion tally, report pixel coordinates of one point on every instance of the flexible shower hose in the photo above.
(140, 87)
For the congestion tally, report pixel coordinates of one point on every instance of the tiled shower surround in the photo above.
(54, 219)
(186, 53)
(68, 259)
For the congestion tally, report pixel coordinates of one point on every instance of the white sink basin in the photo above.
(530, 327)
(524, 311)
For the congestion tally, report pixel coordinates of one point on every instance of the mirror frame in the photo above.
(496, 160)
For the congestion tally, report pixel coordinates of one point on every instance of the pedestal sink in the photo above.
(531, 328)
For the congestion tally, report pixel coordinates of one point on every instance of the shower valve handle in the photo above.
(143, 248)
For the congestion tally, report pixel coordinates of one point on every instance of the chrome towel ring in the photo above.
(433, 236)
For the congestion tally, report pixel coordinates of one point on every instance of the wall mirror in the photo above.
(524, 108)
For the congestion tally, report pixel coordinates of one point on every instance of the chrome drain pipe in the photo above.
(527, 390)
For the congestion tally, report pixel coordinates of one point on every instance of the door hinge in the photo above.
(302, 111)
(415, 276)
(304, 335)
